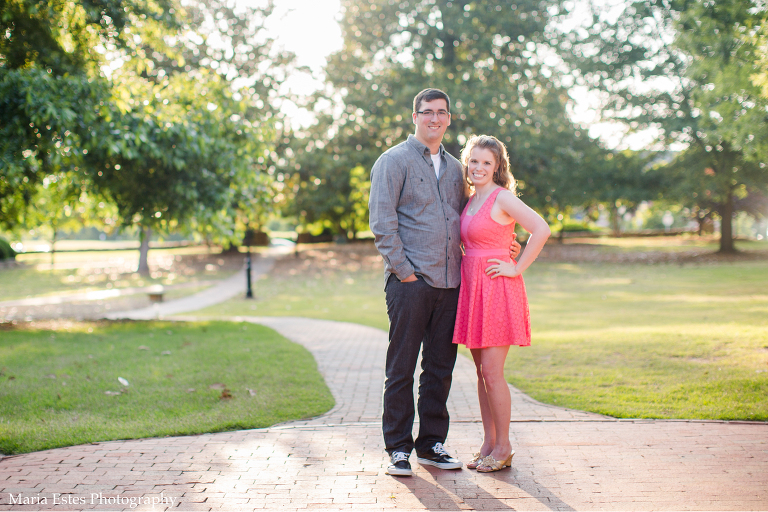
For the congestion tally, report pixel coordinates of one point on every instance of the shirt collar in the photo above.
(421, 148)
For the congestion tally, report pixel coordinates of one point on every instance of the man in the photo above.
(417, 193)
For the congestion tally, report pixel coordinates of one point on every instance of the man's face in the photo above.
(431, 128)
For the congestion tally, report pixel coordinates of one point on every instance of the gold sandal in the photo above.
(477, 459)
(489, 464)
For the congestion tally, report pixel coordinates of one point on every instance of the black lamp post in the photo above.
(248, 241)
(248, 292)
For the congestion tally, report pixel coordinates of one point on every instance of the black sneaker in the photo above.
(440, 458)
(399, 465)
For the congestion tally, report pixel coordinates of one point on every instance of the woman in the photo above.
(493, 307)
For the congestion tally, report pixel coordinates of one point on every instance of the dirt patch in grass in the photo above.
(77, 270)
(329, 258)
(344, 283)
(556, 252)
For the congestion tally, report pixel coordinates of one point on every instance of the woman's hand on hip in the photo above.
(498, 268)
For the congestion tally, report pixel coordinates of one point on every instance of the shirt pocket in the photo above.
(420, 190)
(453, 193)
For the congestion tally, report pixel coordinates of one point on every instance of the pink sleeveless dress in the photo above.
(491, 312)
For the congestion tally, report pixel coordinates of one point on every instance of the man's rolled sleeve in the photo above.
(387, 179)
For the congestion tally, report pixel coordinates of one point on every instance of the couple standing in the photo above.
(420, 217)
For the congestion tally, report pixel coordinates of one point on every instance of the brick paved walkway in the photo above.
(566, 460)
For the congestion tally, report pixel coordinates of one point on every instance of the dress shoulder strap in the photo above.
(491, 200)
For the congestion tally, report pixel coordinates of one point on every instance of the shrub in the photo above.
(6, 253)
(571, 227)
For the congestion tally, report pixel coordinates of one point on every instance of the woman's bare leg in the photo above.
(498, 399)
(489, 429)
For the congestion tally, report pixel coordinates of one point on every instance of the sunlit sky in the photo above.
(310, 29)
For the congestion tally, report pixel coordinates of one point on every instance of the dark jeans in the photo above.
(418, 315)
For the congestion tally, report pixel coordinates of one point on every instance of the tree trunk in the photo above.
(615, 225)
(145, 235)
(726, 226)
(342, 236)
(230, 248)
(53, 245)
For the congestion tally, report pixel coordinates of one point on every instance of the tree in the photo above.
(217, 80)
(759, 40)
(704, 181)
(682, 68)
(724, 59)
(489, 57)
(327, 194)
(228, 38)
(43, 117)
(622, 180)
(182, 159)
(63, 204)
(177, 137)
(55, 204)
(50, 84)
(723, 41)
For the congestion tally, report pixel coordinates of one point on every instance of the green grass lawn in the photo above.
(659, 341)
(59, 386)
(626, 340)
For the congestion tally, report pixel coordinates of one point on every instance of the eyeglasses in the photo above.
(442, 114)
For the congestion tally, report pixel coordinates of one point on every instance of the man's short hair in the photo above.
(430, 95)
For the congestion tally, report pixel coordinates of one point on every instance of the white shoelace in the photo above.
(440, 449)
(398, 456)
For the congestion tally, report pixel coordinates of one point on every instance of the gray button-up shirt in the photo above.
(415, 216)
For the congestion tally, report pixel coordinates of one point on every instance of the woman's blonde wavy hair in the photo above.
(502, 175)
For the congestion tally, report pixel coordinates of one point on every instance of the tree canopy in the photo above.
(685, 69)
(51, 83)
(491, 58)
(170, 113)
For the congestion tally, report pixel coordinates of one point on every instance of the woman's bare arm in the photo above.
(513, 208)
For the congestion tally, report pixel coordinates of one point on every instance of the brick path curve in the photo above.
(566, 460)
(351, 359)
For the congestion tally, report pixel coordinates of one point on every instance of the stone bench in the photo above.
(156, 293)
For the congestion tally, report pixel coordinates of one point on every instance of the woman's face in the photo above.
(481, 166)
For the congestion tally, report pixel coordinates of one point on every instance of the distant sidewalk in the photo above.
(131, 302)
(63, 298)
